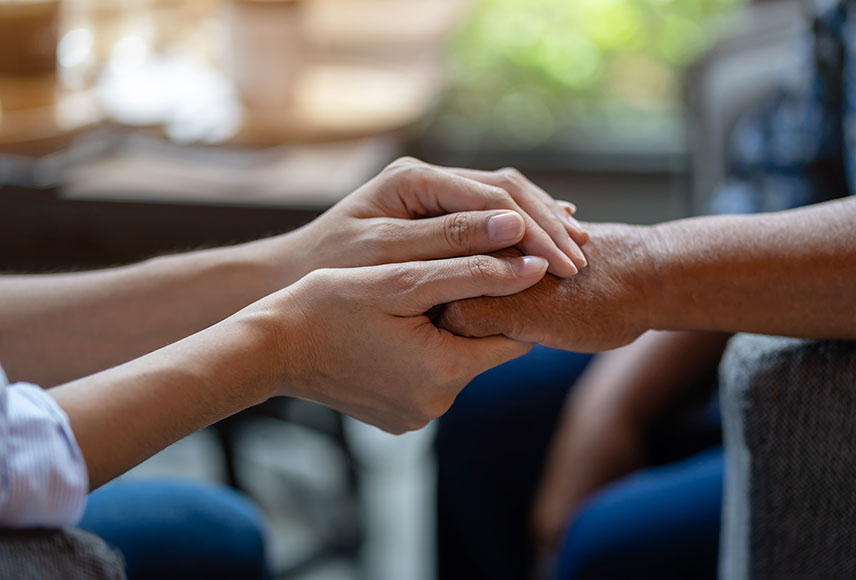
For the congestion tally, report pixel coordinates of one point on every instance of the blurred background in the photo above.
(130, 128)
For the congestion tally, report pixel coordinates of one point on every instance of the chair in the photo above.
(790, 438)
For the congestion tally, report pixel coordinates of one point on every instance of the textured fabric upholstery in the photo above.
(68, 554)
(790, 431)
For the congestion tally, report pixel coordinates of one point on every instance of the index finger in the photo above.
(554, 216)
(444, 191)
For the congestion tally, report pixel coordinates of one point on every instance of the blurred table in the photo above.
(137, 186)
(149, 196)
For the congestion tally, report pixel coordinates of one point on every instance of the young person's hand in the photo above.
(416, 211)
(358, 339)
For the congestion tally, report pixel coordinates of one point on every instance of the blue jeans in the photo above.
(172, 529)
(662, 522)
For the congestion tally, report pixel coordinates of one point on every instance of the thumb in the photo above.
(486, 353)
(476, 232)
(442, 281)
(456, 234)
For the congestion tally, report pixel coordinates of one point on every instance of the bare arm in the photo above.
(355, 339)
(789, 273)
(54, 328)
(57, 328)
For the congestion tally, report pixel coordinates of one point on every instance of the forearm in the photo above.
(789, 273)
(55, 328)
(123, 415)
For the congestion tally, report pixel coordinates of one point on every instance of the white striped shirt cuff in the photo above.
(43, 476)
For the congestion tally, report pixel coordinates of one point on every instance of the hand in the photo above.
(358, 340)
(605, 306)
(416, 211)
(594, 445)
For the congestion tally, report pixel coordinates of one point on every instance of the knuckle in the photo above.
(405, 170)
(457, 230)
(376, 243)
(405, 161)
(322, 278)
(512, 174)
(385, 232)
(511, 179)
(402, 278)
(481, 267)
(499, 196)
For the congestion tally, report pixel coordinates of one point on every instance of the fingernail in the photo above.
(528, 266)
(505, 227)
(572, 207)
(578, 254)
(573, 266)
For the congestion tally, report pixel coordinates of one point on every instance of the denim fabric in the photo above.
(171, 529)
(491, 447)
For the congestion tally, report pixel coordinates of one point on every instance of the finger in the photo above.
(465, 319)
(570, 207)
(454, 234)
(418, 286)
(538, 204)
(575, 228)
(427, 190)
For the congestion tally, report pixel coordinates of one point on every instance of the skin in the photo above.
(333, 312)
(56, 328)
(790, 273)
(354, 339)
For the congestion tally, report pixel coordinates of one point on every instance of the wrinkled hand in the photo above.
(603, 307)
(358, 340)
(416, 211)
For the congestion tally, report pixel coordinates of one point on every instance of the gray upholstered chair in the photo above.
(68, 554)
(789, 409)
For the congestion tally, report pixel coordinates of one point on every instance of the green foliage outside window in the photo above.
(525, 69)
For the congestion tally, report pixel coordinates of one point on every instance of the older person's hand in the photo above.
(416, 211)
(603, 307)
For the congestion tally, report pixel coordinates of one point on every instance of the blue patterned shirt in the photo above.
(799, 147)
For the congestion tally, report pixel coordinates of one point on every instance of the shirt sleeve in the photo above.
(43, 477)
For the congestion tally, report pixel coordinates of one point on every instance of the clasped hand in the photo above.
(353, 332)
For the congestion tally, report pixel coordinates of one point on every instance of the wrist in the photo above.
(282, 346)
(664, 287)
(630, 255)
(246, 353)
(275, 262)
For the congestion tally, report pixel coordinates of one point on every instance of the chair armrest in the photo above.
(789, 413)
(68, 554)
